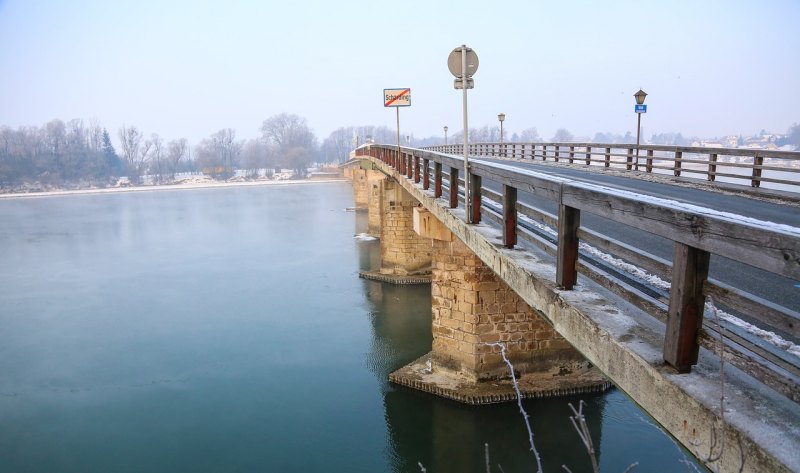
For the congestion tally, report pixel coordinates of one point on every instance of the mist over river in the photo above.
(227, 329)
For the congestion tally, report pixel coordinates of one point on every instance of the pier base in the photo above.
(421, 375)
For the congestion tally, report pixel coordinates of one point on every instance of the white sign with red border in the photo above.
(396, 97)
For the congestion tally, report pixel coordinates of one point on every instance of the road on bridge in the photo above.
(761, 283)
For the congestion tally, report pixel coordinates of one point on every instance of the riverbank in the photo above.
(169, 187)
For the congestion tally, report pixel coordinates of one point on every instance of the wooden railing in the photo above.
(696, 234)
(738, 165)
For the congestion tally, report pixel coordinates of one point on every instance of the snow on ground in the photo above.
(364, 237)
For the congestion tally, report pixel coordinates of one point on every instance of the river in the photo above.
(226, 329)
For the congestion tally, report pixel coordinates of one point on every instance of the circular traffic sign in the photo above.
(454, 62)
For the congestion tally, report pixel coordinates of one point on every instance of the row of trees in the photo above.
(57, 152)
(82, 153)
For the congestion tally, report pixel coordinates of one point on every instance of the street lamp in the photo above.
(445, 135)
(502, 118)
(639, 109)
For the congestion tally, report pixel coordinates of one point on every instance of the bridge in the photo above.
(570, 277)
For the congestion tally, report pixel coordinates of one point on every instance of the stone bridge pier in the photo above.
(405, 255)
(474, 313)
(473, 310)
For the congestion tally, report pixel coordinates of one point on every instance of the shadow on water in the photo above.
(446, 436)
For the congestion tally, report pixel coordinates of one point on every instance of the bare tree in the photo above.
(529, 135)
(141, 160)
(176, 152)
(130, 140)
(287, 132)
(157, 157)
(562, 136)
(254, 156)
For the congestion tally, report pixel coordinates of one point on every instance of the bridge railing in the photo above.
(697, 233)
(777, 169)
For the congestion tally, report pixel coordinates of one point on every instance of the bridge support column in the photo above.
(405, 255)
(473, 310)
(360, 188)
(375, 190)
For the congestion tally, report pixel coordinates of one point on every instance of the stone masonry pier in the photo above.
(473, 310)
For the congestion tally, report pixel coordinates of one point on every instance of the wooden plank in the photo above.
(536, 184)
(771, 249)
(746, 361)
(774, 315)
(686, 306)
(639, 258)
(569, 220)
(509, 216)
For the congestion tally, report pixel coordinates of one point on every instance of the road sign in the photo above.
(454, 62)
(640, 108)
(396, 97)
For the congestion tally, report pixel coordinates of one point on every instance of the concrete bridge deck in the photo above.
(759, 428)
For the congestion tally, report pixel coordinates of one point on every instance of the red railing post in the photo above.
(453, 188)
(509, 216)
(758, 161)
(569, 219)
(475, 197)
(426, 174)
(712, 167)
(686, 306)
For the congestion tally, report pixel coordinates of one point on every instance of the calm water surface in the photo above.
(227, 330)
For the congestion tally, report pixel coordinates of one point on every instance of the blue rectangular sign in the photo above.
(640, 108)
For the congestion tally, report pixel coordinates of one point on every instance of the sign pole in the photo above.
(397, 98)
(397, 109)
(467, 202)
(638, 130)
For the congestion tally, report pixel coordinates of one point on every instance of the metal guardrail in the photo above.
(749, 166)
(696, 235)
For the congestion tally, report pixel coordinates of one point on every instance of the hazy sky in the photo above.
(188, 69)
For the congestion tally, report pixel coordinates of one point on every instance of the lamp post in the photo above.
(639, 109)
(501, 117)
(445, 135)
